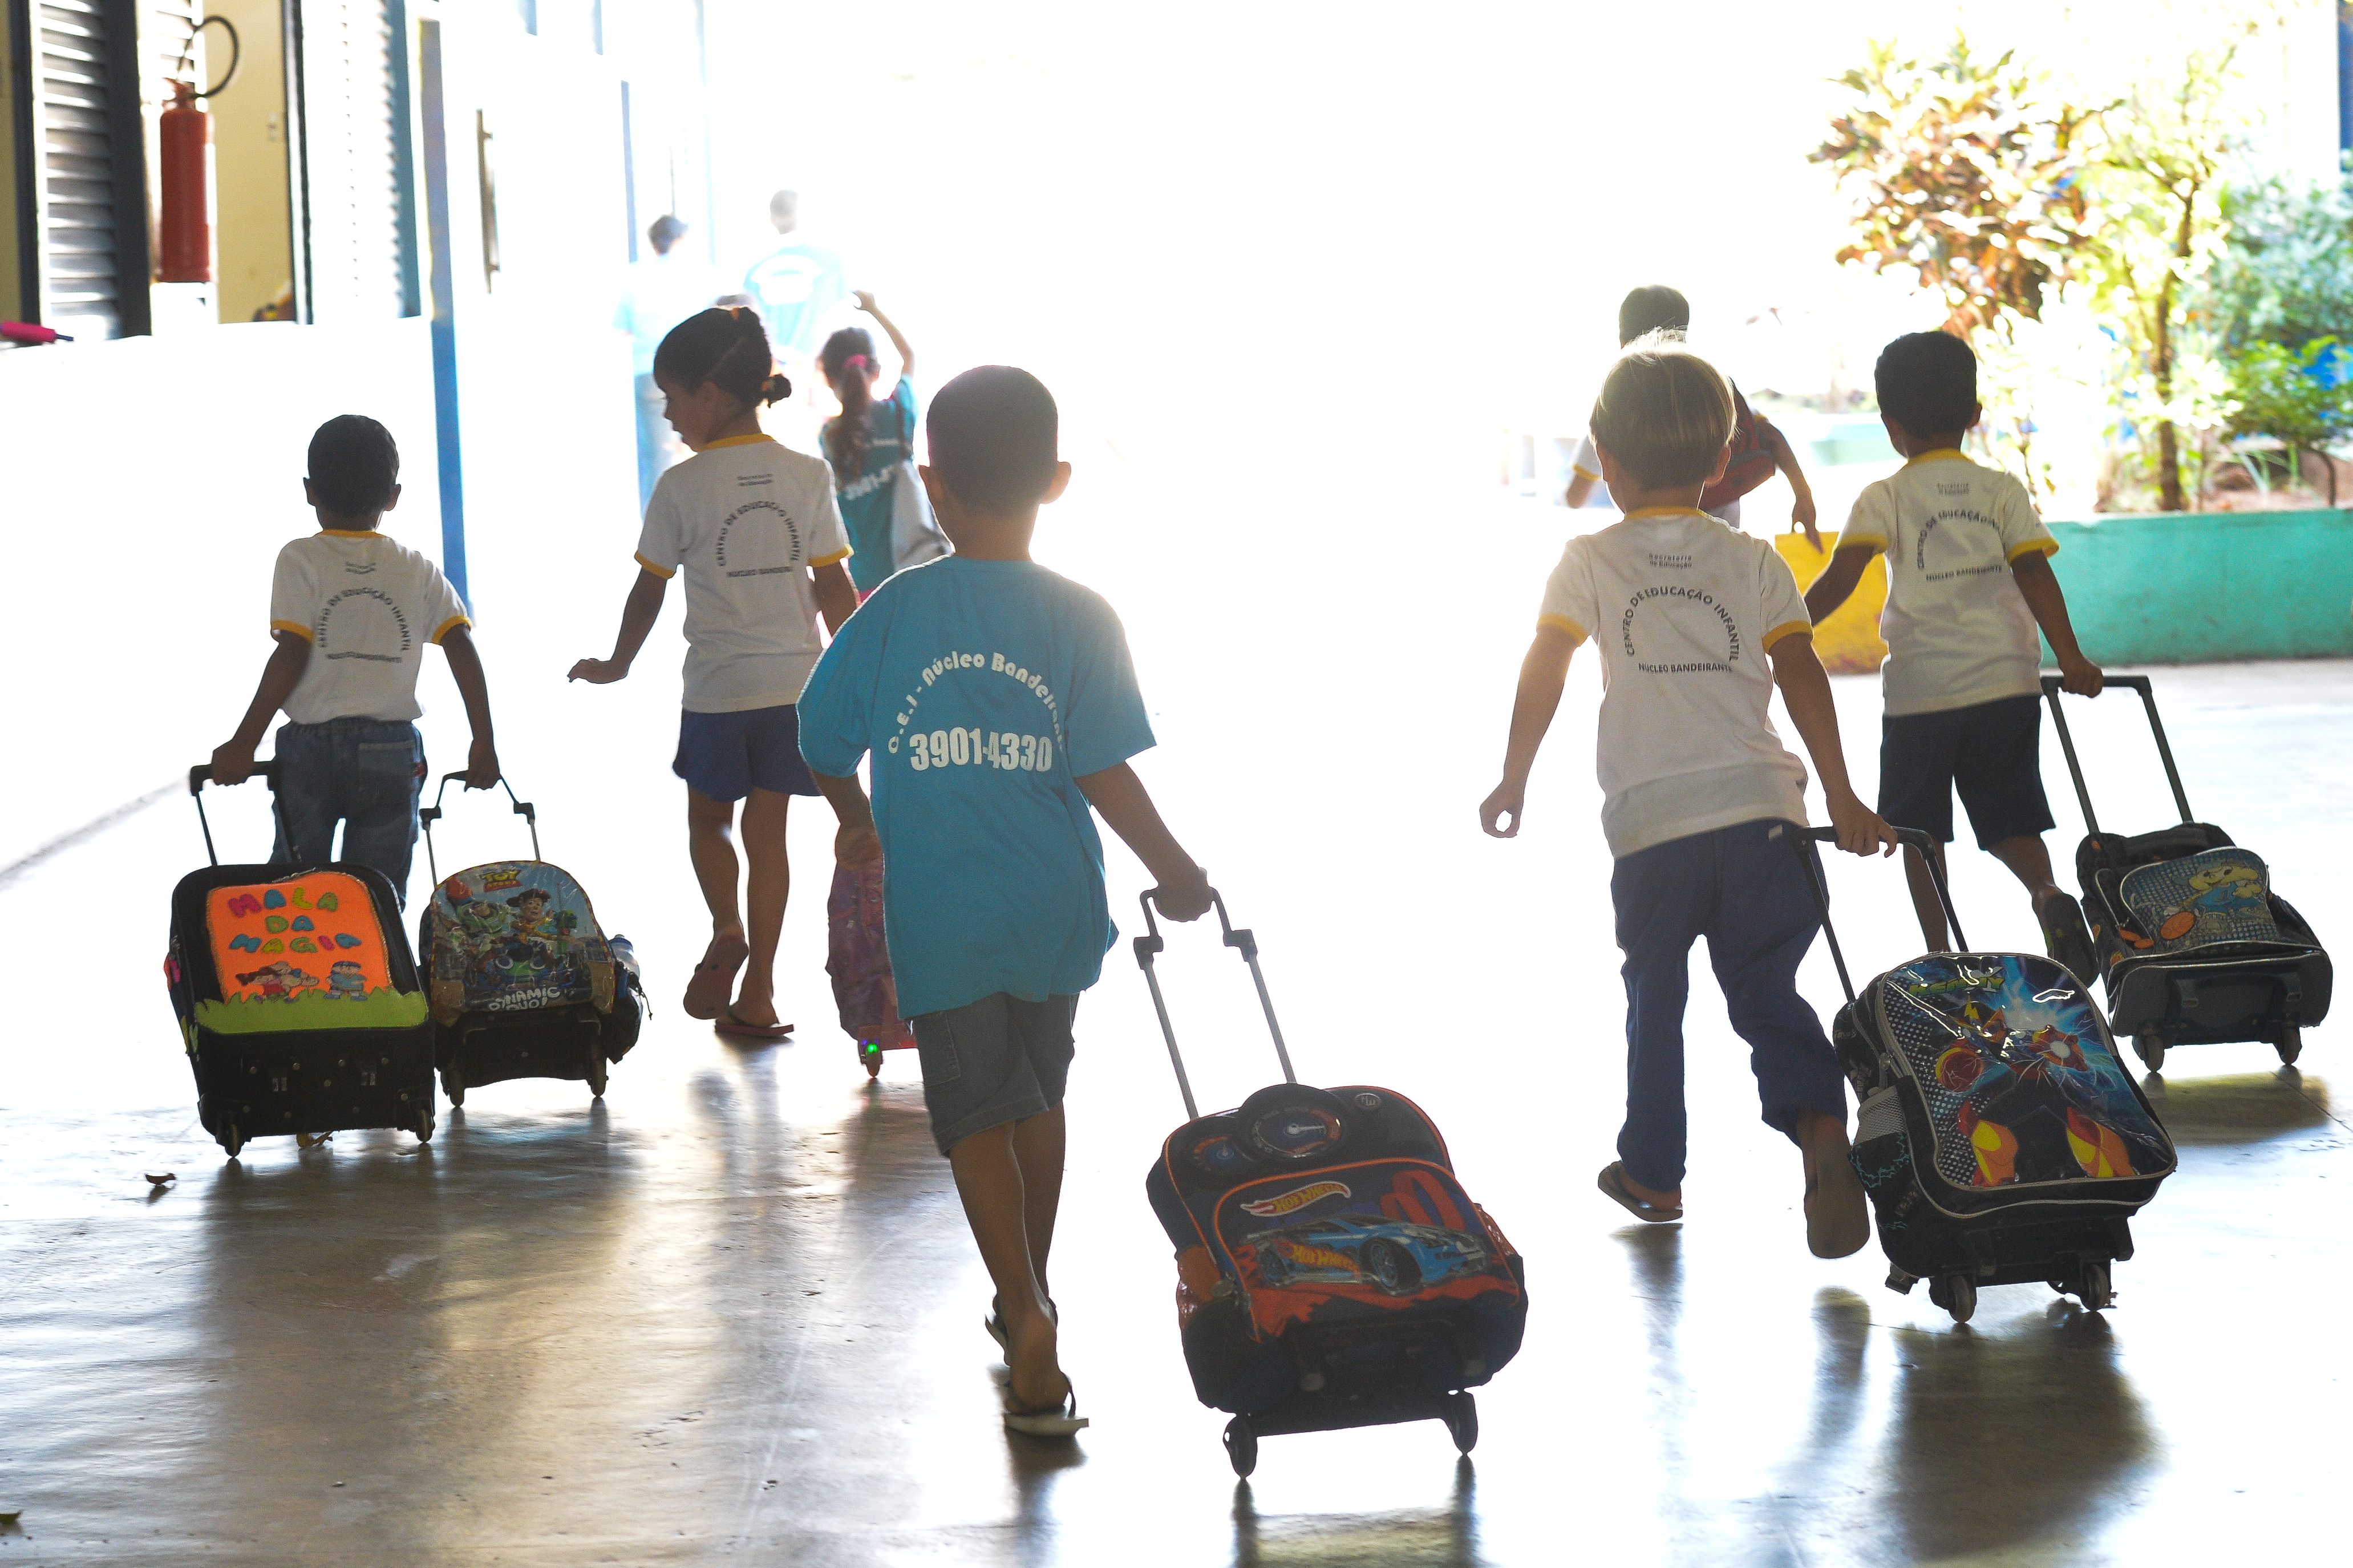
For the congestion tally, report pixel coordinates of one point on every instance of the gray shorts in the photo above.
(996, 1060)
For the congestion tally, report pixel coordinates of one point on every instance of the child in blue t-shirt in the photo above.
(868, 441)
(1000, 705)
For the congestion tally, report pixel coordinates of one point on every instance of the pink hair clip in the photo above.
(857, 360)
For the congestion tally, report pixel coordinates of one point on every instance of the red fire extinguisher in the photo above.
(187, 227)
(185, 243)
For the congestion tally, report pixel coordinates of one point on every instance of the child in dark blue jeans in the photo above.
(352, 612)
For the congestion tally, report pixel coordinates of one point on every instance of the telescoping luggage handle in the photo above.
(1150, 944)
(1911, 838)
(2051, 688)
(432, 814)
(202, 775)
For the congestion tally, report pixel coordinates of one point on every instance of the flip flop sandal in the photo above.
(735, 1026)
(1612, 1182)
(714, 977)
(1840, 1231)
(2066, 938)
(1061, 1420)
(995, 1324)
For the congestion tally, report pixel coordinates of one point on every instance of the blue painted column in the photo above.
(446, 441)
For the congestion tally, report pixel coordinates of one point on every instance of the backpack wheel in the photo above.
(1463, 1423)
(869, 1057)
(596, 1069)
(1241, 1445)
(2092, 1288)
(453, 1084)
(234, 1142)
(1957, 1293)
(2149, 1046)
(2289, 1043)
(422, 1127)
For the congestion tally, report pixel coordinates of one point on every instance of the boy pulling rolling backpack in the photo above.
(1332, 1272)
(297, 997)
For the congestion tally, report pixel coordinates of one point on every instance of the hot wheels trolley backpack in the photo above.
(297, 997)
(1331, 1270)
(523, 982)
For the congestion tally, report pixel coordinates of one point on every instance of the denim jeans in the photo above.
(1744, 888)
(367, 774)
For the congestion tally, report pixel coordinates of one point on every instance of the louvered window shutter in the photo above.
(360, 228)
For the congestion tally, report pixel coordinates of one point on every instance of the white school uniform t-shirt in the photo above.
(1682, 609)
(1959, 632)
(367, 606)
(744, 519)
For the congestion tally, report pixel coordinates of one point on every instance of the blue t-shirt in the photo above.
(982, 688)
(794, 287)
(867, 496)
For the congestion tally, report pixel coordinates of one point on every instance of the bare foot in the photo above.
(1837, 1220)
(1037, 1382)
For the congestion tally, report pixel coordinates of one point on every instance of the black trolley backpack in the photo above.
(297, 997)
(2194, 948)
(2001, 1139)
(1331, 1270)
(522, 980)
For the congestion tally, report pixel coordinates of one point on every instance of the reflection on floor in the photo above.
(730, 1313)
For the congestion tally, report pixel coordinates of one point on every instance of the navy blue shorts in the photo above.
(727, 756)
(1991, 752)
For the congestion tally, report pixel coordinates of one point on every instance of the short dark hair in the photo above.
(1928, 383)
(1664, 413)
(664, 231)
(993, 433)
(1652, 307)
(353, 465)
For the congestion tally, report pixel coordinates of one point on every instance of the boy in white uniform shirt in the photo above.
(1701, 795)
(352, 612)
(1969, 582)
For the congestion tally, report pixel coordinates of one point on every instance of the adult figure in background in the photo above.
(793, 288)
(662, 291)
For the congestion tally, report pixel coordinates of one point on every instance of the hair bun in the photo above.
(775, 389)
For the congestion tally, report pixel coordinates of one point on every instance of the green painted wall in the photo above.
(2194, 589)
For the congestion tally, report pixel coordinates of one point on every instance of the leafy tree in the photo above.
(2286, 276)
(2160, 221)
(2295, 398)
(1966, 172)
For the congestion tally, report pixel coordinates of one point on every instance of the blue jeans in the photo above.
(367, 774)
(1744, 889)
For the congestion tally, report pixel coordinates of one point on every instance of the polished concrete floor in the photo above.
(731, 1312)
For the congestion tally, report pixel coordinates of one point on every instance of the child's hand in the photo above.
(865, 299)
(2081, 676)
(232, 764)
(856, 847)
(481, 766)
(1184, 896)
(598, 671)
(1861, 830)
(1508, 800)
(1802, 514)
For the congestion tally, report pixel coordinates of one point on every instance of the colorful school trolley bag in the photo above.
(1332, 1272)
(297, 997)
(2001, 1139)
(522, 980)
(2194, 947)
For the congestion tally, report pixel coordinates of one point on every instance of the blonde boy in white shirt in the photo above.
(1969, 584)
(1701, 796)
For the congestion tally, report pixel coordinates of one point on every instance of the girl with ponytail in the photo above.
(755, 530)
(869, 441)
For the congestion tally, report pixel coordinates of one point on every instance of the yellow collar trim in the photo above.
(1668, 512)
(740, 441)
(1941, 455)
(351, 533)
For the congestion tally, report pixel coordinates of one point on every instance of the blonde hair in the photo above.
(1664, 413)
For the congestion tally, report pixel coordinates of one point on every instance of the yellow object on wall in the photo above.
(1848, 641)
